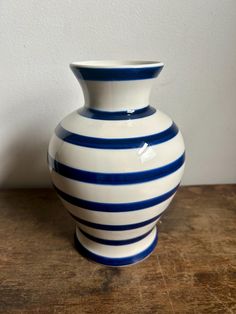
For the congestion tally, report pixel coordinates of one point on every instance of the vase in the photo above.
(116, 163)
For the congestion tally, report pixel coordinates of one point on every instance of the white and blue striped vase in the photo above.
(116, 163)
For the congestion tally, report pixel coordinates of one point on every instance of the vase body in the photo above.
(116, 163)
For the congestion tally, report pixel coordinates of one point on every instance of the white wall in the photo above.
(195, 39)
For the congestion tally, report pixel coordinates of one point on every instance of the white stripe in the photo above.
(120, 218)
(118, 160)
(116, 251)
(117, 193)
(117, 95)
(153, 124)
(118, 235)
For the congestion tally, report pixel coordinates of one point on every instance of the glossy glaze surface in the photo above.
(117, 162)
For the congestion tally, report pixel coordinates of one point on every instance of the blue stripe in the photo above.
(116, 115)
(114, 242)
(115, 227)
(115, 261)
(115, 207)
(116, 143)
(115, 74)
(115, 178)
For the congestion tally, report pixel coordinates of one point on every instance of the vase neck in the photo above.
(116, 86)
(116, 96)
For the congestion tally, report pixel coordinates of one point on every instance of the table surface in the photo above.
(192, 270)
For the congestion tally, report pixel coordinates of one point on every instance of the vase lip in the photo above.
(116, 64)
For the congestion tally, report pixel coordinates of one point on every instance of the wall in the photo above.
(195, 39)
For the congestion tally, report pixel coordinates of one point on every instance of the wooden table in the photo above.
(191, 271)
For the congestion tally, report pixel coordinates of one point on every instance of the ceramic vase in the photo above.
(116, 163)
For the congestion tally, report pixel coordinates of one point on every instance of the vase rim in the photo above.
(116, 64)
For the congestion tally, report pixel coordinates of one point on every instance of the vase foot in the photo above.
(116, 255)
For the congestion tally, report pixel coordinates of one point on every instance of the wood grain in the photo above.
(191, 271)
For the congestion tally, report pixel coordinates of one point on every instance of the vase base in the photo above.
(116, 255)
